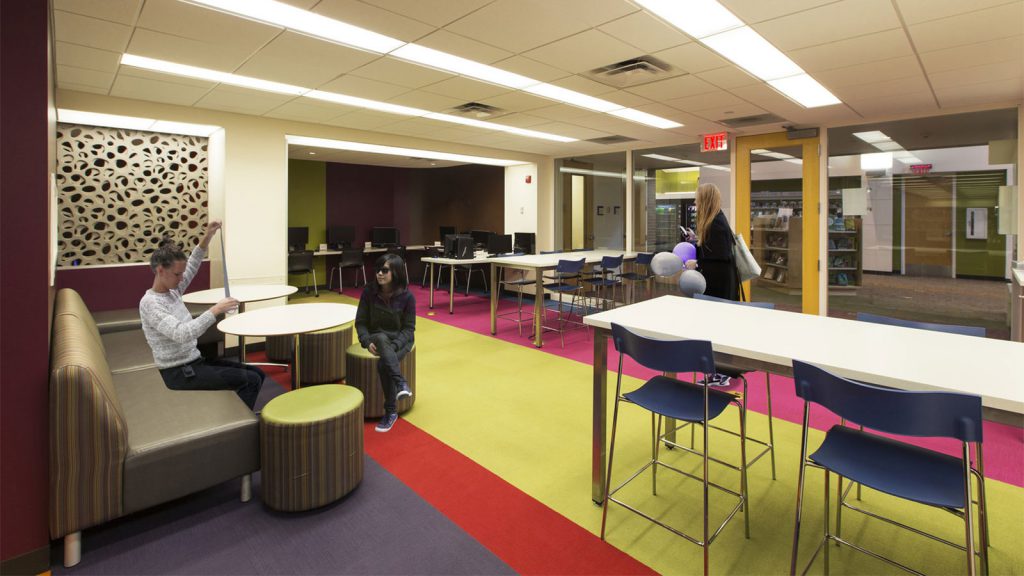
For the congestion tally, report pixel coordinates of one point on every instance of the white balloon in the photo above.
(692, 282)
(666, 264)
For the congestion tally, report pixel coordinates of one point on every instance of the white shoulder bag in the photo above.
(746, 266)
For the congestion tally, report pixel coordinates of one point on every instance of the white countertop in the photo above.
(892, 356)
(551, 260)
(291, 319)
(242, 293)
(1018, 276)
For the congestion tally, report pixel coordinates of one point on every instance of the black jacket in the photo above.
(716, 262)
(397, 318)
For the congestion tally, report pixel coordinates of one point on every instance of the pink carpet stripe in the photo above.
(1004, 444)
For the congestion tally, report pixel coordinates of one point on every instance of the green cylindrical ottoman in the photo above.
(311, 446)
(322, 353)
(361, 372)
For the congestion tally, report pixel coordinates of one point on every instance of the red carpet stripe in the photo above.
(527, 535)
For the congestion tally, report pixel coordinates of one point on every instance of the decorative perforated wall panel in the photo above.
(119, 190)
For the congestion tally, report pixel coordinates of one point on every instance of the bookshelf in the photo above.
(777, 246)
(845, 264)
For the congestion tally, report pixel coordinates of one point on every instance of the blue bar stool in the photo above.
(567, 281)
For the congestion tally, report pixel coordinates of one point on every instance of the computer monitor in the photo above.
(525, 242)
(480, 237)
(341, 237)
(298, 237)
(384, 236)
(459, 246)
(446, 230)
(499, 244)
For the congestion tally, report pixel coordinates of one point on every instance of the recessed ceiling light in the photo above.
(397, 151)
(748, 50)
(572, 97)
(463, 66)
(876, 161)
(306, 22)
(211, 75)
(644, 118)
(133, 123)
(500, 127)
(698, 18)
(805, 90)
(586, 172)
(872, 136)
(365, 103)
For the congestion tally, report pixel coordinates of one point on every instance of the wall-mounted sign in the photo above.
(714, 142)
(977, 223)
(920, 168)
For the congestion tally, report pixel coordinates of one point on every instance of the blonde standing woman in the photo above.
(715, 240)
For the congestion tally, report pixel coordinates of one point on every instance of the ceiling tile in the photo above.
(82, 88)
(692, 57)
(997, 50)
(584, 51)
(392, 70)
(916, 102)
(1000, 91)
(156, 90)
(84, 77)
(363, 120)
(426, 101)
(465, 89)
(829, 23)
(768, 98)
(364, 88)
(871, 90)
(971, 28)
(977, 74)
(85, 31)
(208, 26)
(85, 57)
(461, 46)
(306, 110)
(373, 18)
(517, 101)
(753, 11)
(531, 69)
(882, 70)
(241, 100)
(860, 50)
(917, 11)
(584, 85)
(562, 112)
(827, 115)
(303, 61)
(433, 12)
(521, 120)
(570, 130)
(414, 127)
(520, 25)
(185, 51)
(119, 11)
(704, 101)
(728, 77)
(722, 112)
(677, 87)
(161, 77)
(646, 32)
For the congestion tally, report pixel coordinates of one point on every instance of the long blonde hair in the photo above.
(709, 204)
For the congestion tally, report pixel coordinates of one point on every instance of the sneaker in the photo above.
(386, 422)
(715, 380)
(403, 391)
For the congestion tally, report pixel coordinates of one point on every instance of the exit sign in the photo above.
(714, 142)
(920, 168)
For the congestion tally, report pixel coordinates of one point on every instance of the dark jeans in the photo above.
(389, 368)
(245, 380)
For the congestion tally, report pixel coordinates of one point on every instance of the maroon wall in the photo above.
(116, 287)
(361, 196)
(24, 285)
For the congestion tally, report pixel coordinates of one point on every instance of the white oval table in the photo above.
(243, 293)
(293, 320)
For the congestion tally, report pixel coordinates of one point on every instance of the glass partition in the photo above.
(590, 202)
(915, 228)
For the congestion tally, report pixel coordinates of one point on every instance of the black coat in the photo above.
(716, 262)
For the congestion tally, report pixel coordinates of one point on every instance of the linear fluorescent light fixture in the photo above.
(211, 75)
(807, 91)
(698, 18)
(365, 103)
(873, 136)
(133, 123)
(455, 64)
(499, 127)
(876, 161)
(644, 118)
(750, 51)
(305, 22)
(572, 97)
(397, 151)
(586, 172)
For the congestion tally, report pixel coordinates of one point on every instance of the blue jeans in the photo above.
(389, 368)
(244, 379)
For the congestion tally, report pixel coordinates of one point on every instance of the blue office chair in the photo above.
(950, 328)
(641, 273)
(606, 278)
(888, 465)
(516, 282)
(667, 397)
(735, 372)
(567, 281)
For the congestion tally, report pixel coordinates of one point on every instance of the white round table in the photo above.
(295, 319)
(244, 293)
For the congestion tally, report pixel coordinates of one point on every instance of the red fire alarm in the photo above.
(529, 178)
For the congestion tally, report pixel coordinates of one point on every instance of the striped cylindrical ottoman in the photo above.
(322, 353)
(311, 446)
(361, 373)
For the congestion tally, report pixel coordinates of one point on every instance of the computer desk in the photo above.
(451, 263)
(762, 339)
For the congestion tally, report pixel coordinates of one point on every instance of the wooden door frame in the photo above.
(811, 282)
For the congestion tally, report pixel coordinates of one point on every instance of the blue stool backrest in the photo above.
(909, 413)
(765, 305)
(665, 355)
(570, 266)
(644, 258)
(950, 328)
(611, 262)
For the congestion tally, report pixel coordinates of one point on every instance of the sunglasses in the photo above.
(383, 270)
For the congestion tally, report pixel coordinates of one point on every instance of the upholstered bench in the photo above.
(322, 360)
(311, 446)
(361, 373)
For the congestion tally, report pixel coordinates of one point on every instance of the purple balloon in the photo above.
(685, 251)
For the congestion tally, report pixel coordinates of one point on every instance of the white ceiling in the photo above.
(882, 58)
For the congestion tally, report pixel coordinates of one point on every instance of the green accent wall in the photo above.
(675, 181)
(976, 257)
(307, 199)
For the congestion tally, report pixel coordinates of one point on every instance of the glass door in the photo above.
(777, 212)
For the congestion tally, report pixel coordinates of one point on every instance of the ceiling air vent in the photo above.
(752, 120)
(632, 72)
(477, 110)
(611, 139)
